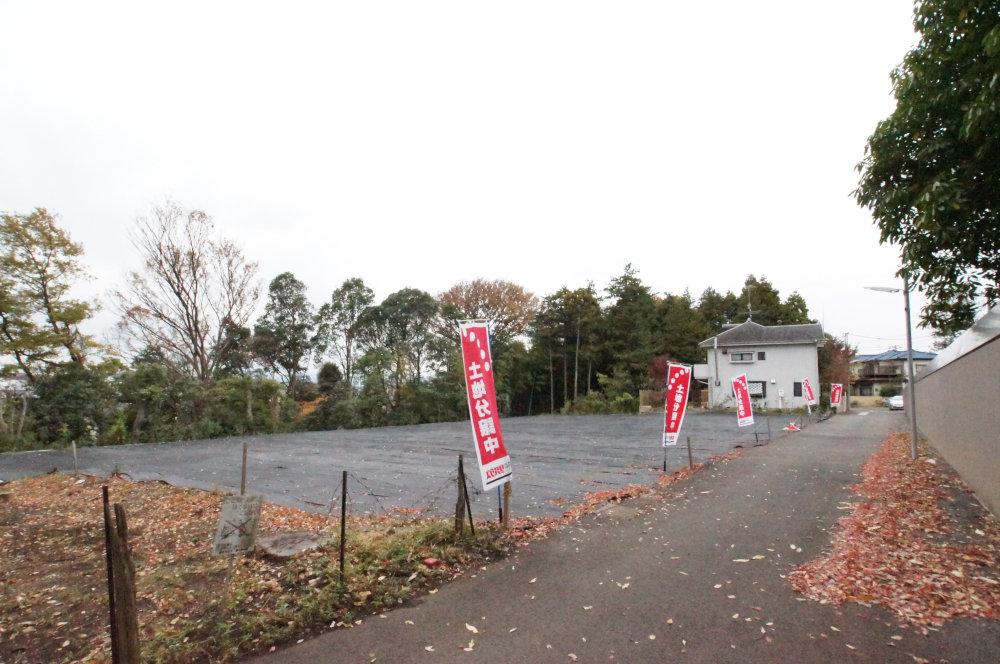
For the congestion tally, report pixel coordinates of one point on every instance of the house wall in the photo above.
(956, 409)
(782, 366)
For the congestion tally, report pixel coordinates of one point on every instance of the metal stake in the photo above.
(468, 508)
(343, 520)
(690, 460)
(243, 472)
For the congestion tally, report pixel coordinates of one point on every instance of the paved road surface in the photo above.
(410, 466)
(601, 591)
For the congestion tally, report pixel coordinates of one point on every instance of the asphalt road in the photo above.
(413, 466)
(657, 579)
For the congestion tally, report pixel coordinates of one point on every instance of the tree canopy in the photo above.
(931, 172)
(39, 321)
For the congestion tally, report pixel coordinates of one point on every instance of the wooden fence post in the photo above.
(109, 560)
(123, 617)
(125, 607)
(506, 504)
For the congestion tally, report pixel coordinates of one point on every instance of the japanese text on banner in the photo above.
(744, 408)
(807, 392)
(675, 403)
(494, 462)
(836, 393)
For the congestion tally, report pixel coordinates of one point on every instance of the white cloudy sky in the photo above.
(424, 143)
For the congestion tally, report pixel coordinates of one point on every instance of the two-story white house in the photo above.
(775, 359)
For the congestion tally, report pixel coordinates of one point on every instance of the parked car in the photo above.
(896, 402)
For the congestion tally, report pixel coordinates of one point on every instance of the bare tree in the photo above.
(192, 284)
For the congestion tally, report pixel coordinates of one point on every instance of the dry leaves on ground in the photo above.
(532, 528)
(906, 548)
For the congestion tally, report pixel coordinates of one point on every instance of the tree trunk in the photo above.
(24, 413)
(348, 365)
(590, 361)
(140, 415)
(565, 374)
(3, 410)
(576, 364)
(552, 385)
(249, 408)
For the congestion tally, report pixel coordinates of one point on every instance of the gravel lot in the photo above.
(410, 466)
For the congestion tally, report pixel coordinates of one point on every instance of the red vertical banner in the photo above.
(744, 409)
(494, 462)
(836, 393)
(807, 392)
(678, 386)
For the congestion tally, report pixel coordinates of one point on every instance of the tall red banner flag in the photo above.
(678, 385)
(494, 462)
(807, 392)
(744, 409)
(836, 392)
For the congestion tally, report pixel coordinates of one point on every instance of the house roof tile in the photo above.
(750, 333)
(891, 355)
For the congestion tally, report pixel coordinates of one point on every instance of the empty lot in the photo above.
(554, 457)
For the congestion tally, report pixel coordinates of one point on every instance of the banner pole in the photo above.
(664, 458)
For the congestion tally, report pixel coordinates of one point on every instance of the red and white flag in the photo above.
(678, 386)
(744, 409)
(836, 392)
(807, 392)
(494, 462)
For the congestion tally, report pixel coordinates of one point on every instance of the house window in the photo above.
(796, 389)
(758, 388)
(864, 390)
(741, 357)
(761, 355)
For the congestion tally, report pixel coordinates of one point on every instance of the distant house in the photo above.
(870, 374)
(775, 359)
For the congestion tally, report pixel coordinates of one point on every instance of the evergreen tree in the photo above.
(283, 336)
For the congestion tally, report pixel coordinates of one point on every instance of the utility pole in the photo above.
(909, 366)
(909, 360)
(850, 373)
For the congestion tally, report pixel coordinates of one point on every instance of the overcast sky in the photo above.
(425, 143)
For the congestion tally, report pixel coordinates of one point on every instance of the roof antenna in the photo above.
(749, 309)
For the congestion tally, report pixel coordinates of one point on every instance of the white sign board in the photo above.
(239, 517)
